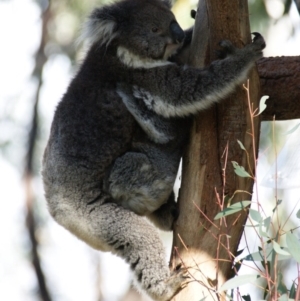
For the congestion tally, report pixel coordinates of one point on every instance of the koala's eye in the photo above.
(154, 29)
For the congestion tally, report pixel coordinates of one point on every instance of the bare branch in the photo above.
(40, 60)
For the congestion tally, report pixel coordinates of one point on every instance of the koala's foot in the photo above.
(128, 235)
(167, 289)
(164, 217)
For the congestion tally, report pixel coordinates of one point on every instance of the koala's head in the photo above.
(147, 28)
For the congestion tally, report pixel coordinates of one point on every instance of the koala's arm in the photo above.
(159, 129)
(180, 91)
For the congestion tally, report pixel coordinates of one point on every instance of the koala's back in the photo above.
(91, 128)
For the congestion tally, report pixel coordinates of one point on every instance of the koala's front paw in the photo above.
(253, 51)
(256, 47)
(258, 41)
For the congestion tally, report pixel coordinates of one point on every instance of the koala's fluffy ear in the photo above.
(101, 26)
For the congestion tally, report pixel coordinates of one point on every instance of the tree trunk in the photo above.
(207, 169)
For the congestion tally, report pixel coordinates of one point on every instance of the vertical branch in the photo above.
(99, 279)
(40, 60)
(203, 174)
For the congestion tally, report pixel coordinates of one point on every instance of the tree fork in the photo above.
(206, 170)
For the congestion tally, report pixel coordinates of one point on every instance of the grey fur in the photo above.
(118, 134)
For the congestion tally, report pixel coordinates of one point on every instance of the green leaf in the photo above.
(298, 213)
(255, 215)
(292, 293)
(262, 104)
(240, 205)
(267, 222)
(259, 256)
(279, 250)
(240, 170)
(237, 266)
(236, 207)
(238, 281)
(292, 130)
(293, 245)
(261, 231)
(246, 297)
(241, 145)
(281, 287)
(239, 252)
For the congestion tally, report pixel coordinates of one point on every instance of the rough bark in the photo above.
(280, 79)
(213, 132)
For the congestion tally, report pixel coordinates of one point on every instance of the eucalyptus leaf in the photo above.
(239, 252)
(293, 245)
(259, 256)
(262, 104)
(236, 207)
(255, 215)
(267, 222)
(240, 170)
(281, 287)
(241, 145)
(279, 250)
(238, 281)
(261, 231)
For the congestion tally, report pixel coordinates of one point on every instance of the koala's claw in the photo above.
(181, 272)
(256, 35)
(180, 277)
(259, 40)
(193, 14)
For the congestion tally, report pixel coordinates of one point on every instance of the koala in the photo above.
(118, 134)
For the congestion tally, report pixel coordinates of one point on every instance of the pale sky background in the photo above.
(71, 266)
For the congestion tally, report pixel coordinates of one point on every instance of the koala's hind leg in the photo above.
(131, 237)
(165, 215)
(141, 183)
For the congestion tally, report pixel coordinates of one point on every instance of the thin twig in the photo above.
(40, 60)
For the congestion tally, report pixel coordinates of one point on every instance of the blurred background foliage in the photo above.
(24, 129)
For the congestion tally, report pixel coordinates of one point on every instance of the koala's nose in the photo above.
(176, 32)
